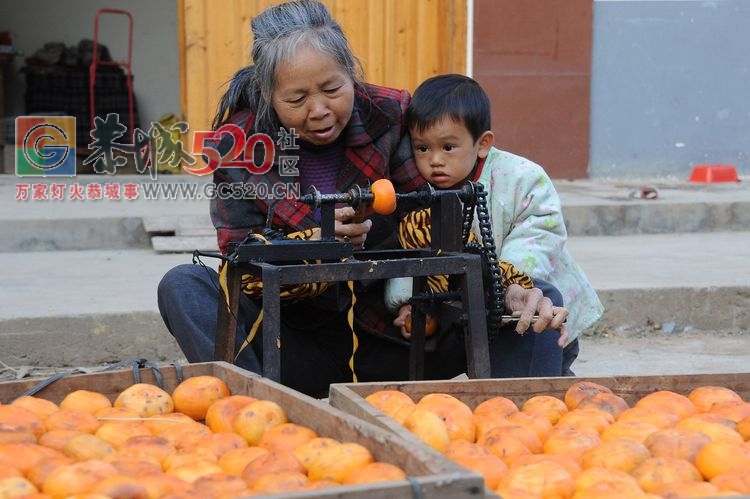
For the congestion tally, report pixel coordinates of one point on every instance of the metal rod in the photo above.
(516, 318)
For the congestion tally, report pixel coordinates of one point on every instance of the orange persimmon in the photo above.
(676, 442)
(430, 325)
(547, 405)
(545, 478)
(86, 401)
(704, 397)
(621, 454)
(194, 395)
(220, 413)
(458, 417)
(580, 390)
(286, 436)
(384, 196)
(477, 458)
(374, 472)
(655, 472)
(670, 401)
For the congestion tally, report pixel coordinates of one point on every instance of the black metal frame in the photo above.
(444, 258)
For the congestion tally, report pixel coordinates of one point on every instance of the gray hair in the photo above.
(278, 32)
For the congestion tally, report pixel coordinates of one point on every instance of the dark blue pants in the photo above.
(570, 354)
(312, 359)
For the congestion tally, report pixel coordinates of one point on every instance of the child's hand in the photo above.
(404, 316)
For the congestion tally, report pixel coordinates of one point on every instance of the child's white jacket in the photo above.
(529, 232)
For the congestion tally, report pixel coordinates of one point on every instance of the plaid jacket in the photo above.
(376, 146)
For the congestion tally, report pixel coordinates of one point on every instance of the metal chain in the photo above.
(468, 216)
(487, 250)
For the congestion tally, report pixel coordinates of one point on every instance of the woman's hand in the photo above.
(346, 229)
(526, 303)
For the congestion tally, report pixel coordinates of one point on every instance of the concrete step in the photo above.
(184, 243)
(92, 307)
(683, 281)
(181, 234)
(52, 234)
(178, 224)
(68, 308)
(89, 224)
(655, 218)
(652, 206)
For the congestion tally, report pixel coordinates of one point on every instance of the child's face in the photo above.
(446, 153)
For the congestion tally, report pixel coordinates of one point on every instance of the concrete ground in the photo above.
(80, 276)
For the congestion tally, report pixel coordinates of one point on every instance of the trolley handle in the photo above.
(127, 64)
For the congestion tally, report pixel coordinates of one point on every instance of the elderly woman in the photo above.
(305, 80)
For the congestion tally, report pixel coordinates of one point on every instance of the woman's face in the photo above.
(314, 96)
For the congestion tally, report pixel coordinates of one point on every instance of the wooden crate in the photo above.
(430, 475)
(350, 397)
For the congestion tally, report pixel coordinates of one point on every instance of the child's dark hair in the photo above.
(452, 96)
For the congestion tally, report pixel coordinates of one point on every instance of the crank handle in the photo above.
(516, 318)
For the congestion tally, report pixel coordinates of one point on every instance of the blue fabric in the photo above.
(188, 298)
(530, 355)
(570, 354)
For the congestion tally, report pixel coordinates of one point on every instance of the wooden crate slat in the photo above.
(350, 397)
(472, 392)
(432, 474)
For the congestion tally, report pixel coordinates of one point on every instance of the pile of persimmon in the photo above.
(590, 443)
(200, 441)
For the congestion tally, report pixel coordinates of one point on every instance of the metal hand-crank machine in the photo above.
(282, 261)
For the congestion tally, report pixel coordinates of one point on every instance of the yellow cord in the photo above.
(223, 282)
(251, 334)
(355, 341)
(224, 287)
(259, 320)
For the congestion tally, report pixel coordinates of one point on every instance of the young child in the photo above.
(452, 141)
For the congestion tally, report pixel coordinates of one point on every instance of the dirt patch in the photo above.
(605, 352)
(654, 351)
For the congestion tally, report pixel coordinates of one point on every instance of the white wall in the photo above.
(155, 56)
